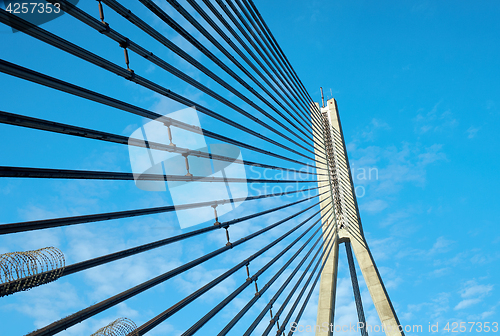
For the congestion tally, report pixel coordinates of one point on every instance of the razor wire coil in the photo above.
(37, 267)
(120, 327)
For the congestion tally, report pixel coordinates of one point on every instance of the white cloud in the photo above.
(431, 154)
(472, 293)
(47, 303)
(472, 132)
(394, 166)
(369, 132)
(398, 216)
(434, 121)
(440, 246)
(466, 303)
(434, 309)
(374, 206)
(475, 290)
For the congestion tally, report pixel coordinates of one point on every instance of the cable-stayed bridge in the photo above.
(265, 123)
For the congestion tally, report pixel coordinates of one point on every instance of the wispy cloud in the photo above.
(441, 245)
(370, 132)
(491, 105)
(398, 216)
(395, 165)
(374, 206)
(434, 121)
(472, 293)
(472, 132)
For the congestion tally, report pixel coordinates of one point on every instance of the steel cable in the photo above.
(238, 316)
(196, 326)
(27, 280)
(127, 14)
(266, 39)
(51, 126)
(24, 172)
(221, 19)
(181, 304)
(56, 41)
(36, 77)
(277, 79)
(263, 57)
(290, 295)
(64, 221)
(268, 307)
(174, 25)
(86, 313)
(122, 40)
(280, 51)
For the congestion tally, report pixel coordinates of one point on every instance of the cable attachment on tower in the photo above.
(335, 164)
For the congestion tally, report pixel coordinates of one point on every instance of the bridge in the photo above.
(251, 163)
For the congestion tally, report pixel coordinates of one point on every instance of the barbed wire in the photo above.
(120, 327)
(39, 266)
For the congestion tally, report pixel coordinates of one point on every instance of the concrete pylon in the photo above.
(328, 131)
(328, 283)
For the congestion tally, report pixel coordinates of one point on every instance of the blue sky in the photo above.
(418, 93)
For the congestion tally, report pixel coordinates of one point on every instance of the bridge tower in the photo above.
(328, 131)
